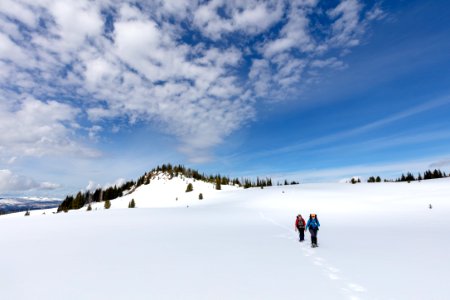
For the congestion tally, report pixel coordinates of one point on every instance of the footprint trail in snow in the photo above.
(348, 288)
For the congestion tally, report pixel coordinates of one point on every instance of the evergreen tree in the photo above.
(189, 188)
(409, 177)
(89, 208)
(436, 174)
(378, 179)
(132, 204)
(200, 196)
(247, 184)
(96, 195)
(218, 184)
(107, 204)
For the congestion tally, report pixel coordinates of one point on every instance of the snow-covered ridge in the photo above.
(164, 173)
(165, 190)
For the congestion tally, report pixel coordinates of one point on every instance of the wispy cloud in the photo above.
(441, 163)
(364, 129)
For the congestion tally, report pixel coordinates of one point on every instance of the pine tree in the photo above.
(378, 179)
(189, 188)
(435, 174)
(89, 208)
(200, 196)
(132, 204)
(107, 204)
(218, 184)
(409, 177)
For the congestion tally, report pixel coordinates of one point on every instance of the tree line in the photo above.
(408, 177)
(428, 174)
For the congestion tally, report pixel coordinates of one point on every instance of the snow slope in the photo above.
(377, 241)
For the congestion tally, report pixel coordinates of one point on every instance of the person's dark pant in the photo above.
(313, 232)
(302, 233)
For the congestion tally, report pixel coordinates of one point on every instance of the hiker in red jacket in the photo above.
(300, 227)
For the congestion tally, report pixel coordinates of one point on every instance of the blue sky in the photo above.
(95, 92)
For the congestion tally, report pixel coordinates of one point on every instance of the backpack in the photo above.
(301, 223)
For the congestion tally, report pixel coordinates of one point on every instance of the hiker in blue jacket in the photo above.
(313, 226)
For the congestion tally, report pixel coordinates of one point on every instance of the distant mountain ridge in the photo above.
(11, 204)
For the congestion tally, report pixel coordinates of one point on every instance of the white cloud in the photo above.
(118, 182)
(295, 34)
(331, 62)
(146, 69)
(94, 132)
(92, 186)
(138, 43)
(260, 76)
(445, 162)
(376, 13)
(257, 17)
(75, 22)
(48, 185)
(308, 40)
(11, 51)
(249, 17)
(19, 11)
(10, 182)
(346, 27)
(36, 128)
(12, 160)
(98, 71)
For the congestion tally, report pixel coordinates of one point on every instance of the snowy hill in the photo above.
(164, 191)
(377, 241)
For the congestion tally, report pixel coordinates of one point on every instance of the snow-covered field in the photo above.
(377, 241)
